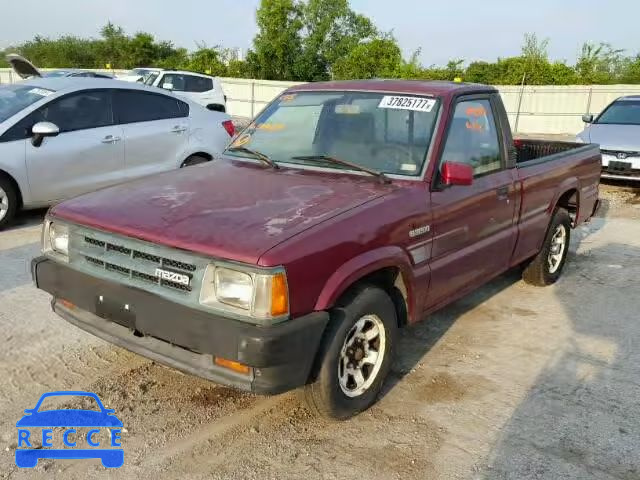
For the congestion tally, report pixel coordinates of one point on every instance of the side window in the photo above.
(473, 137)
(178, 82)
(79, 111)
(198, 84)
(133, 106)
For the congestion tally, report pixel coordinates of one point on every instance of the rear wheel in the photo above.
(194, 160)
(356, 355)
(8, 201)
(547, 266)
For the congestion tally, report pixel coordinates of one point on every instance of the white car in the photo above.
(203, 89)
(138, 74)
(61, 137)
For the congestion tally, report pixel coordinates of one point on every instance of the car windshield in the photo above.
(56, 73)
(621, 113)
(387, 133)
(14, 98)
(150, 78)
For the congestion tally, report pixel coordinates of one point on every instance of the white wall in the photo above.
(534, 109)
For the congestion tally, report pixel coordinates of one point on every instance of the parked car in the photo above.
(26, 69)
(203, 89)
(60, 137)
(345, 211)
(617, 130)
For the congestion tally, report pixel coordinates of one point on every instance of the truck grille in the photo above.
(123, 258)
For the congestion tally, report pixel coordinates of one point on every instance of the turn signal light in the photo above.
(279, 295)
(231, 365)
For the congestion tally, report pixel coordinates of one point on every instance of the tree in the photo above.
(277, 48)
(378, 58)
(332, 30)
(599, 63)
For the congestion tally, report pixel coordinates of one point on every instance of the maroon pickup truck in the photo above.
(345, 211)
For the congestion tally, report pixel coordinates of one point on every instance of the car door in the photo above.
(156, 131)
(87, 154)
(473, 226)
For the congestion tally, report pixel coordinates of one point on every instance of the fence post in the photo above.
(589, 101)
(253, 98)
(515, 127)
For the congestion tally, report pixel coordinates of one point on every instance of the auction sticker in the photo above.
(40, 91)
(417, 104)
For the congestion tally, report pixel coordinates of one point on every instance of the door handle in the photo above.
(503, 193)
(111, 139)
(178, 129)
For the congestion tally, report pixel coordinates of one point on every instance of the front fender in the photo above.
(362, 265)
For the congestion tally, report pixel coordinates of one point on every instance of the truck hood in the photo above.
(615, 137)
(225, 209)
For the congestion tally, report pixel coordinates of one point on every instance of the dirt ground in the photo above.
(511, 382)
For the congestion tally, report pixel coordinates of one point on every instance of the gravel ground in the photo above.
(510, 382)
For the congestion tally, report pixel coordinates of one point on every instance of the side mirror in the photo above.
(41, 130)
(167, 86)
(454, 173)
(587, 118)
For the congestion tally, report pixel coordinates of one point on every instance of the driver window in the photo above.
(473, 138)
(79, 111)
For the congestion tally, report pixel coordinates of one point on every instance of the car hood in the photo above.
(615, 137)
(225, 209)
(69, 418)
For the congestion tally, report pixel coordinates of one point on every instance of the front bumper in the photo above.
(280, 356)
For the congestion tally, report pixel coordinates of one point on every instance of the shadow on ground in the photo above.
(580, 419)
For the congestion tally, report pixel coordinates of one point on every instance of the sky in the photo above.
(464, 29)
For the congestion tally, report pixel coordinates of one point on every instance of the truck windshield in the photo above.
(386, 133)
(14, 98)
(621, 113)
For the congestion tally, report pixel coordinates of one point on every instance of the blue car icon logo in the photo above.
(27, 456)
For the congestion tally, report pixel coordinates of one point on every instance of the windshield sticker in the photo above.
(40, 91)
(408, 167)
(347, 109)
(270, 127)
(416, 104)
(241, 140)
(288, 98)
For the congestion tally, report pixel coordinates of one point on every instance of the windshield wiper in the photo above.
(256, 154)
(381, 176)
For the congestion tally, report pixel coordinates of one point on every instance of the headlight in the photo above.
(56, 239)
(260, 295)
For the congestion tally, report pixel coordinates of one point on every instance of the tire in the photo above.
(194, 160)
(547, 266)
(8, 202)
(217, 108)
(336, 392)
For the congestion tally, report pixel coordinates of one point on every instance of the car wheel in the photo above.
(194, 160)
(217, 108)
(355, 356)
(547, 266)
(8, 202)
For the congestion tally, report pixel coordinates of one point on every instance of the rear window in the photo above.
(621, 113)
(14, 98)
(133, 106)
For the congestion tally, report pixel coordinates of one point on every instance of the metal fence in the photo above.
(531, 109)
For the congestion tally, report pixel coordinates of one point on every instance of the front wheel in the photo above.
(546, 267)
(8, 202)
(356, 355)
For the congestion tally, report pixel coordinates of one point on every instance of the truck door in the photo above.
(473, 231)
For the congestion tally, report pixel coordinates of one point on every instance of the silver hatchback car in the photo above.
(617, 130)
(61, 137)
